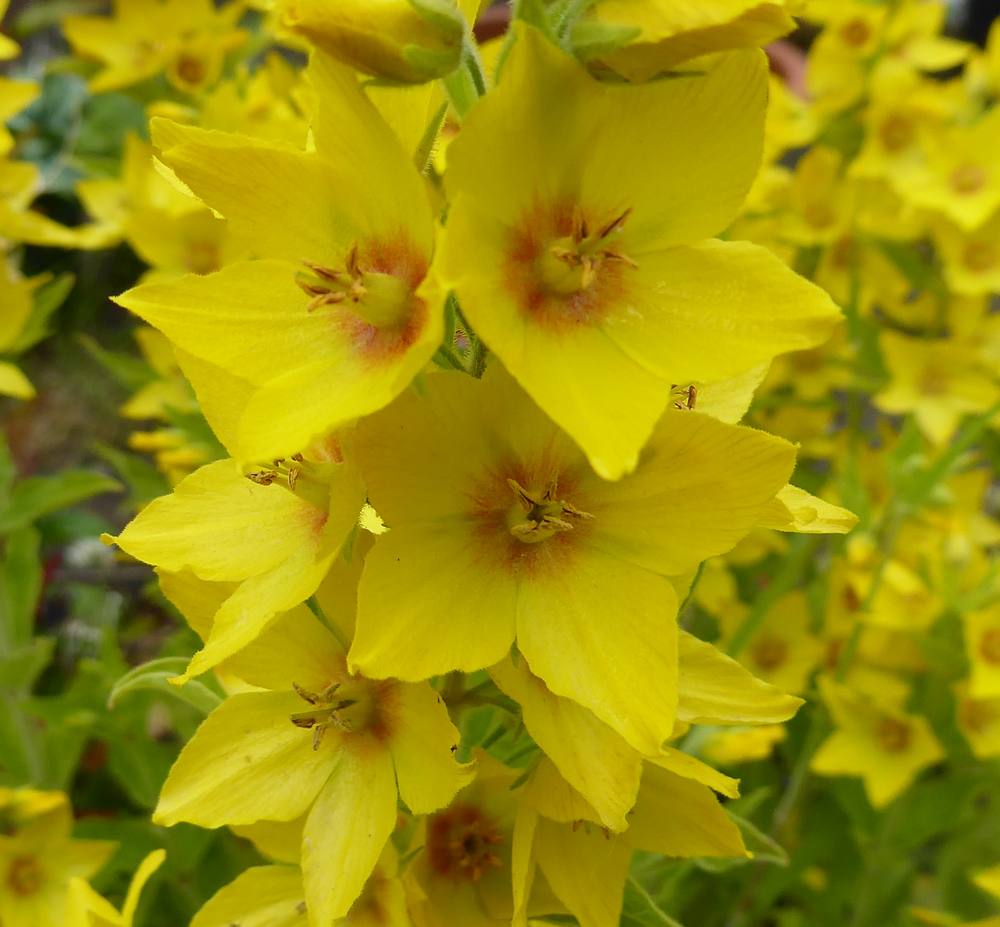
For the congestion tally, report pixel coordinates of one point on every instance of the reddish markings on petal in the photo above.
(530, 242)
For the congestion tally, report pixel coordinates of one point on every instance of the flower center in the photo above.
(378, 297)
(975, 715)
(896, 132)
(769, 653)
(572, 263)
(855, 33)
(191, 70)
(934, 381)
(24, 876)
(538, 515)
(351, 707)
(893, 735)
(462, 843)
(989, 645)
(968, 178)
(980, 255)
(203, 257)
(307, 479)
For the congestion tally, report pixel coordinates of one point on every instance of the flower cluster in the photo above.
(480, 411)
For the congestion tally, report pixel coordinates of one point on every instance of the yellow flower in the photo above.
(314, 739)
(649, 37)
(577, 241)
(15, 296)
(15, 95)
(100, 913)
(676, 815)
(470, 868)
(982, 644)
(186, 39)
(8, 47)
(960, 179)
(938, 380)
(273, 534)
(597, 763)
(40, 861)
(971, 258)
(496, 520)
(394, 39)
(742, 745)
(338, 316)
(880, 743)
(979, 721)
(784, 652)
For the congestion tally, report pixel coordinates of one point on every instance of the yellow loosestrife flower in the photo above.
(337, 314)
(314, 739)
(98, 912)
(40, 862)
(496, 520)
(578, 241)
(880, 743)
(273, 533)
(982, 644)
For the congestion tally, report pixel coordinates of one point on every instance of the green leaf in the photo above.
(640, 910)
(20, 586)
(41, 495)
(154, 676)
(132, 372)
(20, 666)
(143, 480)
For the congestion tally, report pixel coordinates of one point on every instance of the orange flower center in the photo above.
(896, 132)
(538, 515)
(373, 296)
(358, 706)
(856, 33)
(968, 178)
(769, 653)
(24, 876)
(191, 70)
(989, 645)
(975, 715)
(203, 257)
(893, 735)
(463, 842)
(566, 268)
(980, 256)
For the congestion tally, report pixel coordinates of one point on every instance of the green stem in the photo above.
(467, 83)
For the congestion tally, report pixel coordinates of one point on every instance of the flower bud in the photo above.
(639, 40)
(411, 41)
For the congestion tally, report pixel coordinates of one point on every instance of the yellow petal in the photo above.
(592, 758)
(794, 509)
(700, 487)
(247, 762)
(615, 655)
(585, 869)
(143, 874)
(715, 689)
(403, 595)
(264, 896)
(346, 832)
(675, 816)
(423, 744)
(14, 383)
(709, 311)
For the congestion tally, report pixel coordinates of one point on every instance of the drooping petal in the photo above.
(794, 509)
(346, 832)
(247, 762)
(715, 689)
(264, 896)
(585, 869)
(675, 816)
(616, 655)
(423, 743)
(592, 758)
